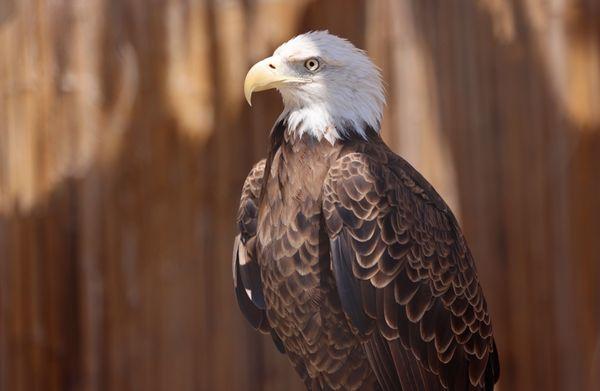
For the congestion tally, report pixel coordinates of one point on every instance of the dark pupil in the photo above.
(312, 64)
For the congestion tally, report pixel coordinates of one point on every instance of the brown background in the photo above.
(124, 141)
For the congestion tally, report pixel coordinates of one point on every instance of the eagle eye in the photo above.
(312, 64)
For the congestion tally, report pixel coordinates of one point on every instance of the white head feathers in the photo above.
(336, 88)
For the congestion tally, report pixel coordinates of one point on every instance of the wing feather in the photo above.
(406, 276)
(246, 272)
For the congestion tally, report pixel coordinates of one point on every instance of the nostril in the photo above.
(271, 66)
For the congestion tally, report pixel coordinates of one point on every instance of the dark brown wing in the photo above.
(246, 273)
(403, 271)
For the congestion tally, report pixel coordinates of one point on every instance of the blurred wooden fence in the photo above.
(124, 141)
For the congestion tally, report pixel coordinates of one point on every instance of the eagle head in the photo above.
(329, 87)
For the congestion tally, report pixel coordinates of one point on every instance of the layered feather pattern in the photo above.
(359, 270)
(412, 277)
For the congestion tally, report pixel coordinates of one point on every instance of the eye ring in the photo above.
(312, 64)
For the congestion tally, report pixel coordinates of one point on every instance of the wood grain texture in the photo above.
(125, 140)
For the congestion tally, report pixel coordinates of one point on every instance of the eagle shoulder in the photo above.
(403, 270)
(248, 210)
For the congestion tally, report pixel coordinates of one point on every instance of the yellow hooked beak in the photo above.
(264, 75)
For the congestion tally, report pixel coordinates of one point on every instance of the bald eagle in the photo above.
(346, 255)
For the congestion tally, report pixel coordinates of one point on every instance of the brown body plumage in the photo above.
(346, 255)
(358, 269)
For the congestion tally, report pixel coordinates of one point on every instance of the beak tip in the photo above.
(248, 90)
